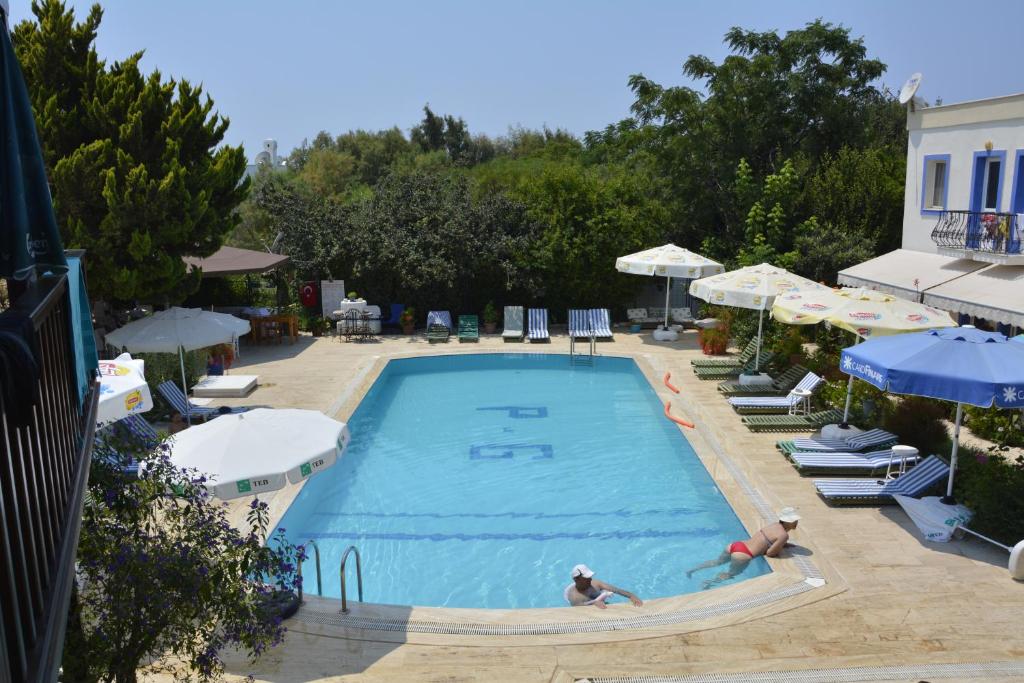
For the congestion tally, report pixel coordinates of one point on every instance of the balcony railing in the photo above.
(44, 467)
(982, 231)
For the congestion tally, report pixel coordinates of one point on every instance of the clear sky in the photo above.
(289, 69)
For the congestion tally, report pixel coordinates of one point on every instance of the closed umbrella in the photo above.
(177, 330)
(752, 287)
(29, 238)
(668, 261)
(123, 389)
(959, 364)
(865, 312)
(253, 452)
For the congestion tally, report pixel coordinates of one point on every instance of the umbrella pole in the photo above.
(948, 499)
(668, 289)
(184, 386)
(757, 360)
(846, 410)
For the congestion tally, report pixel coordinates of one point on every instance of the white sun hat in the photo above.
(789, 515)
(582, 570)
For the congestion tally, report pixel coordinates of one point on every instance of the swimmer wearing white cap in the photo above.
(768, 541)
(586, 590)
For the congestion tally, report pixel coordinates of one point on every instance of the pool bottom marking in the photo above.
(520, 412)
(498, 451)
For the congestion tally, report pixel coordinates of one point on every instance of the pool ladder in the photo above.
(341, 574)
(579, 356)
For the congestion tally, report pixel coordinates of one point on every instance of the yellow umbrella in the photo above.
(865, 312)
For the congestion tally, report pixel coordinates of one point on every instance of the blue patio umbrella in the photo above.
(960, 364)
(29, 239)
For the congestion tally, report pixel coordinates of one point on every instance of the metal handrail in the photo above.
(319, 583)
(359, 577)
(986, 231)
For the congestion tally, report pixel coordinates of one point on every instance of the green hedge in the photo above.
(992, 485)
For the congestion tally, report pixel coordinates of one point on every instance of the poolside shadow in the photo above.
(797, 550)
(968, 547)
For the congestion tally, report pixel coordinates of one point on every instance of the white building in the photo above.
(267, 157)
(963, 214)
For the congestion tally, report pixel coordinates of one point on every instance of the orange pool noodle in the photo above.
(668, 384)
(677, 420)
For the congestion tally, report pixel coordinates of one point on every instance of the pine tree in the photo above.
(137, 176)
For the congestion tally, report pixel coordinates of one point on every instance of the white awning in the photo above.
(995, 293)
(906, 273)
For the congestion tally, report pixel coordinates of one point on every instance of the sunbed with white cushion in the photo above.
(810, 382)
(873, 491)
(513, 323)
(173, 395)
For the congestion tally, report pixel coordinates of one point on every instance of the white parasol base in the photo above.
(661, 334)
(759, 380)
(839, 432)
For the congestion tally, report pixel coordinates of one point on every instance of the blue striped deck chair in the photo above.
(579, 323)
(873, 438)
(172, 394)
(780, 404)
(871, 491)
(839, 463)
(440, 318)
(537, 327)
(106, 440)
(600, 323)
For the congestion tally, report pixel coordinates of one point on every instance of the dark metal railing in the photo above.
(988, 231)
(44, 468)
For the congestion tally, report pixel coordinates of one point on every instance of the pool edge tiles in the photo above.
(429, 624)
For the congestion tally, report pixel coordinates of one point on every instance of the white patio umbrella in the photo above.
(752, 287)
(865, 312)
(252, 452)
(178, 330)
(669, 261)
(123, 389)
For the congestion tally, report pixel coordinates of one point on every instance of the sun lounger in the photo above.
(740, 358)
(780, 386)
(440, 318)
(469, 328)
(437, 332)
(579, 324)
(133, 428)
(538, 325)
(812, 462)
(791, 423)
(513, 324)
(682, 316)
(600, 323)
(721, 372)
(872, 491)
(178, 401)
(873, 438)
(776, 404)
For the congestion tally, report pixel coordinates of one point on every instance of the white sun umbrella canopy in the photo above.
(668, 261)
(753, 287)
(256, 451)
(177, 330)
(123, 389)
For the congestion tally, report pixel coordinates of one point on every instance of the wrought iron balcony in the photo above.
(984, 235)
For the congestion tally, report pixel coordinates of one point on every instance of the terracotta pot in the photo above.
(407, 328)
(489, 328)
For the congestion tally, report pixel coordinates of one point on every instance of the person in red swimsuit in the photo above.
(768, 541)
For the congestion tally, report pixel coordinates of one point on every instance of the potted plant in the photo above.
(352, 296)
(226, 352)
(407, 320)
(713, 340)
(318, 326)
(490, 318)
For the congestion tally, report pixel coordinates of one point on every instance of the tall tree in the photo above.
(139, 175)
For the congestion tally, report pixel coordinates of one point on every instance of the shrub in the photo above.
(917, 422)
(490, 313)
(869, 406)
(992, 485)
(1004, 427)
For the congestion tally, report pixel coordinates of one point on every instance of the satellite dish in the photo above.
(910, 87)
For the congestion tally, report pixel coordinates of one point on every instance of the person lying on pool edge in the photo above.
(586, 590)
(769, 541)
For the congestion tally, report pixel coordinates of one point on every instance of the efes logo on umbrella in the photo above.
(133, 400)
(692, 272)
(719, 296)
(864, 315)
(749, 282)
(113, 369)
(917, 318)
(811, 306)
(660, 270)
(757, 299)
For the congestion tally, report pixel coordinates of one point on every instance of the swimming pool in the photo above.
(480, 480)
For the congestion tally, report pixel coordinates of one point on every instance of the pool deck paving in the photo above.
(889, 606)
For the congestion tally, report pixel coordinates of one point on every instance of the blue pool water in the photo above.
(480, 480)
